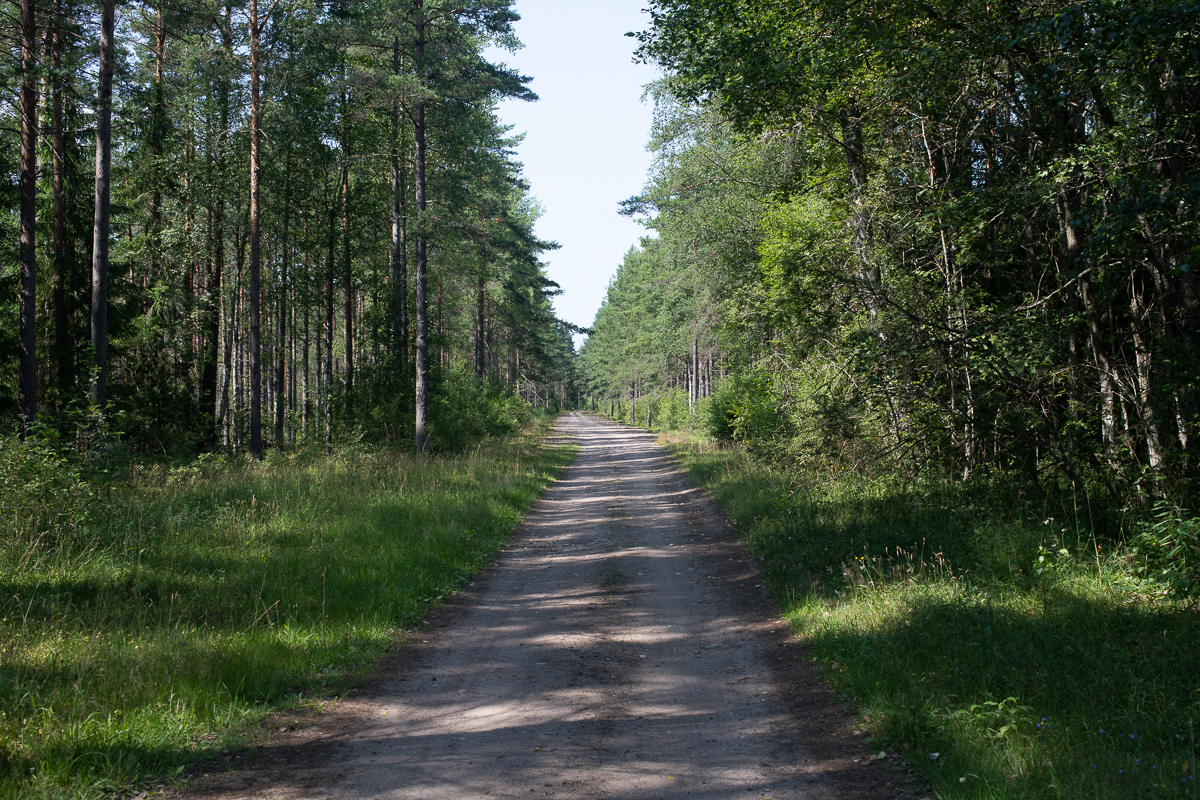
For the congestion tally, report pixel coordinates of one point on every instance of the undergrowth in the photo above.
(1005, 649)
(148, 623)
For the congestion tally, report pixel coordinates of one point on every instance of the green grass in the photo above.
(1020, 650)
(198, 599)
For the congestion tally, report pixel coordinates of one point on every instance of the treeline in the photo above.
(250, 224)
(952, 237)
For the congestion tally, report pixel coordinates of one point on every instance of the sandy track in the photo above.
(620, 647)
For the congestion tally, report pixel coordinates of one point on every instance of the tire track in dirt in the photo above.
(621, 646)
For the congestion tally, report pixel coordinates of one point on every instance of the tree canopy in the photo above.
(950, 237)
(271, 216)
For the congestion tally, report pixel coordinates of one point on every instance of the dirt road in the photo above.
(620, 647)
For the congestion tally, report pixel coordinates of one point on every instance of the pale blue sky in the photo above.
(585, 148)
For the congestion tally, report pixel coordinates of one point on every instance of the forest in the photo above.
(949, 239)
(270, 294)
(245, 225)
(917, 307)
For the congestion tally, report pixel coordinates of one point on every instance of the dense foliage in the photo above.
(386, 230)
(949, 237)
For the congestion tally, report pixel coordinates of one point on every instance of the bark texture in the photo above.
(102, 220)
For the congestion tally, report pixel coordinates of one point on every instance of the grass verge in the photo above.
(198, 599)
(1004, 655)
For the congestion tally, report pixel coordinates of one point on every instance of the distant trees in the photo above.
(963, 240)
(264, 158)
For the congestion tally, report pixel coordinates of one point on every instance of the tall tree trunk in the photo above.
(1141, 323)
(954, 297)
(228, 325)
(256, 442)
(329, 334)
(241, 358)
(399, 231)
(213, 303)
(422, 371)
(191, 330)
(27, 382)
(281, 394)
(293, 375)
(480, 329)
(102, 220)
(694, 375)
(158, 126)
(376, 284)
(853, 148)
(319, 371)
(233, 366)
(304, 377)
(212, 320)
(347, 275)
(1068, 225)
(62, 346)
(304, 349)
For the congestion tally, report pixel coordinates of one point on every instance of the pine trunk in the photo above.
(27, 382)
(480, 346)
(399, 231)
(64, 364)
(281, 361)
(422, 370)
(102, 219)
(347, 276)
(256, 388)
(213, 284)
(328, 393)
(158, 125)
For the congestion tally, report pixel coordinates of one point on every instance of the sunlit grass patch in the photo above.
(1014, 694)
(198, 599)
(1005, 653)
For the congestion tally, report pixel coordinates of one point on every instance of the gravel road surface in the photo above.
(621, 646)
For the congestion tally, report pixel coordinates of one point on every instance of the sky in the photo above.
(585, 143)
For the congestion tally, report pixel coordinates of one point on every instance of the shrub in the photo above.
(719, 410)
(40, 490)
(1167, 552)
(673, 410)
(466, 410)
(748, 408)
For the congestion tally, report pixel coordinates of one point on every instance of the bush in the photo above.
(719, 411)
(749, 408)
(672, 410)
(39, 487)
(1167, 552)
(466, 410)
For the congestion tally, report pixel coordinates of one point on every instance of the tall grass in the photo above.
(196, 599)
(1007, 650)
